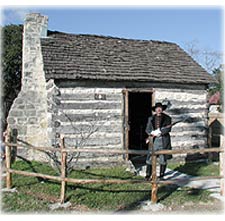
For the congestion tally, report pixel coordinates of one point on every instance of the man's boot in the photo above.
(162, 170)
(148, 172)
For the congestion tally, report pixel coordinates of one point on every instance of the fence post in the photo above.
(221, 154)
(13, 139)
(10, 154)
(8, 160)
(63, 169)
(210, 155)
(154, 179)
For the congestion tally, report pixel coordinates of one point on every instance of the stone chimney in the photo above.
(35, 27)
(29, 111)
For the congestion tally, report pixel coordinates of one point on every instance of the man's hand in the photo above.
(156, 133)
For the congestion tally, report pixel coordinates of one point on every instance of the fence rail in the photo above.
(140, 152)
(11, 142)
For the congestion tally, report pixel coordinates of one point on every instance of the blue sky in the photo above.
(179, 25)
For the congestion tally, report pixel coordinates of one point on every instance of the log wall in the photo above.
(189, 103)
(79, 114)
(88, 121)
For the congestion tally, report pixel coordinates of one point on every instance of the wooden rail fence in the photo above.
(11, 142)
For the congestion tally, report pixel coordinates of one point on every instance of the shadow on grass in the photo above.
(133, 205)
(192, 168)
(99, 189)
(165, 191)
(29, 163)
(92, 174)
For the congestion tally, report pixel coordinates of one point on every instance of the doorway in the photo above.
(139, 108)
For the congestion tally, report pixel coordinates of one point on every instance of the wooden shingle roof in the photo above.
(70, 56)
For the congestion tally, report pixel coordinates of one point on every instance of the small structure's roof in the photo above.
(70, 56)
(215, 98)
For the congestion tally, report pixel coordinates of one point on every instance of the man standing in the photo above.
(158, 127)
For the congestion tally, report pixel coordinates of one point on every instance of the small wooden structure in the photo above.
(216, 122)
(216, 128)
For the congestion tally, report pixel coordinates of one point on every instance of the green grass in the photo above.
(196, 168)
(35, 194)
(176, 197)
(22, 202)
(110, 196)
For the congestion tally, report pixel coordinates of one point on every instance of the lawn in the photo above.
(197, 168)
(36, 194)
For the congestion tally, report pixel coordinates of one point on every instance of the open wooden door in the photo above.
(137, 108)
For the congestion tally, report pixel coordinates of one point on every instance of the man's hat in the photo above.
(159, 105)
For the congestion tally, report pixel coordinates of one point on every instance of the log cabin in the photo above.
(99, 91)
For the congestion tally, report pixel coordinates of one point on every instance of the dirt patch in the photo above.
(42, 196)
(80, 208)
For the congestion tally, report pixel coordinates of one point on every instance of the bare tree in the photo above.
(209, 59)
(83, 132)
(72, 158)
